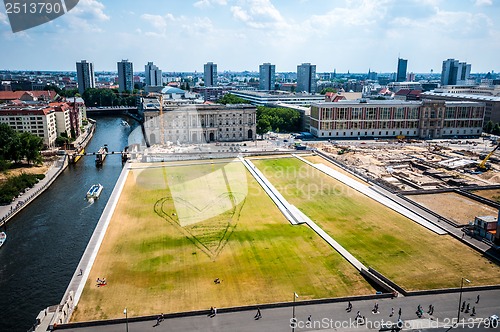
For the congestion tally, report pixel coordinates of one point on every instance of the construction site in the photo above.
(456, 180)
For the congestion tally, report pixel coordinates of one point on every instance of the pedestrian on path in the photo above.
(399, 313)
(463, 306)
(392, 312)
(477, 299)
(349, 306)
(258, 315)
(473, 311)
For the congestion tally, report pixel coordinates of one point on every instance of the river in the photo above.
(47, 238)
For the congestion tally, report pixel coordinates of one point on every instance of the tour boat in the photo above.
(3, 237)
(95, 191)
(101, 155)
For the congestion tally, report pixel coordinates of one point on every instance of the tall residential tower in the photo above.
(85, 76)
(267, 79)
(210, 71)
(153, 75)
(402, 67)
(125, 76)
(454, 72)
(306, 78)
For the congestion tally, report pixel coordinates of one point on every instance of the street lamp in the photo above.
(293, 311)
(460, 298)
(126, 318)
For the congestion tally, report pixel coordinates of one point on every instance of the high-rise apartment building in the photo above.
(267, 79)
(402, 67)
(210, 71)
(153, 75)
(455, 72)
(306, 78)
(85, 76)
(125, 76)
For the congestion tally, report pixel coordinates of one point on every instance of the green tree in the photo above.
(489, 127)
(325, 90)
(6, 136)
(278, 119)
(229, 98)
(31, 145)
(263, 126)
(496, 129)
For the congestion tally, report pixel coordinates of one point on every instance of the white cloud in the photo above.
(484, 3)
(89, 10)
(208, 3)
(170, 24)
(3, 19)
(258, 14)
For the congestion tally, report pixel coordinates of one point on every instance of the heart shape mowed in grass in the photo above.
(210, 235)
(26, 14)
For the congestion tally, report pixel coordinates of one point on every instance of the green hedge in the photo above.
(17, 184)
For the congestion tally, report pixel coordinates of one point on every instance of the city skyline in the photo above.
(238, 35)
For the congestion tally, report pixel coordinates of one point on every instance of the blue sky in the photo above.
(182, 35)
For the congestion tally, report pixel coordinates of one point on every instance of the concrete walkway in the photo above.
(290, 211)
(368, 191)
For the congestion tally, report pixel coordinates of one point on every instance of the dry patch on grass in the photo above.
(154, 263)
(402, 250)
(453, 206)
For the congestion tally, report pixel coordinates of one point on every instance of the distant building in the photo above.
(455, 72)
(267, 79)
(306, 78)
(210, 74)
(153, 75)
(391, 118)
(212, 93)
(402, 67)
(85, 76)
(272, 98)
(125, 76)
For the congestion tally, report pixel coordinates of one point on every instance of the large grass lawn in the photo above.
(176, 229)
(407, 253)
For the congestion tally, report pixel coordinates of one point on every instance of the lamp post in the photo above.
(460, 298)
(126, 318)
(293, 311)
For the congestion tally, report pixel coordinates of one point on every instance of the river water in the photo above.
(46, 240)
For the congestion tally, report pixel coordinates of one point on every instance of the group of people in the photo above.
(213, 312)
(101, 282)
(466, 308)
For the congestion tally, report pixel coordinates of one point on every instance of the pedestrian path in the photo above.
(373, 194)
(295, 216)
(10, 210)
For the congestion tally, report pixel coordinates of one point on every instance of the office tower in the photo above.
(454, 72)
(402, 66)
(210, 70)
(85, 76)
(267, 78)
(306, 78)
(125, 76)
(153, 75)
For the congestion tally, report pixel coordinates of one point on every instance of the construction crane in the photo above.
(482, 166)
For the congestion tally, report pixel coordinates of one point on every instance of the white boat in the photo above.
(125, 123)
(3, 237)
(95, 191)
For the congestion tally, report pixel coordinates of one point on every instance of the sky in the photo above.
(237, 35)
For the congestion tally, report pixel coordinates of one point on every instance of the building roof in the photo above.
(171, 90)
(467, 96)
(13, 95)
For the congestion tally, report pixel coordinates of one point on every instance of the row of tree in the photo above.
(108, 97)
(277, 119)
(14, 185)
(15, 146)
(492, 128)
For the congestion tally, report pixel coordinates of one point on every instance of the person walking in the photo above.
(473, 311)
(477, 299)
(258, 315)
(399, 313)
(392, 312)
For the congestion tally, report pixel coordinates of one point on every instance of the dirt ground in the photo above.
(25, 168)
(454, 206)
(493, 194)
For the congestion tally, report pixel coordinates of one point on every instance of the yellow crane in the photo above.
(482, 166)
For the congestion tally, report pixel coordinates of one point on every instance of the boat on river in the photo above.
(3, 237)
(95, 191)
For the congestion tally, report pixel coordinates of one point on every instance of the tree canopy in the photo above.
(107, 97)
(325, 90)
(15, 146)
(278, 119)
(229, 98)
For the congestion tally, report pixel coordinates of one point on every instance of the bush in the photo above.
(16, 185)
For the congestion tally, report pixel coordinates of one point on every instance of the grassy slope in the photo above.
(409, 254)
(152, 267)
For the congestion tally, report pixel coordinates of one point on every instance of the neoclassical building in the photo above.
(199, 123)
